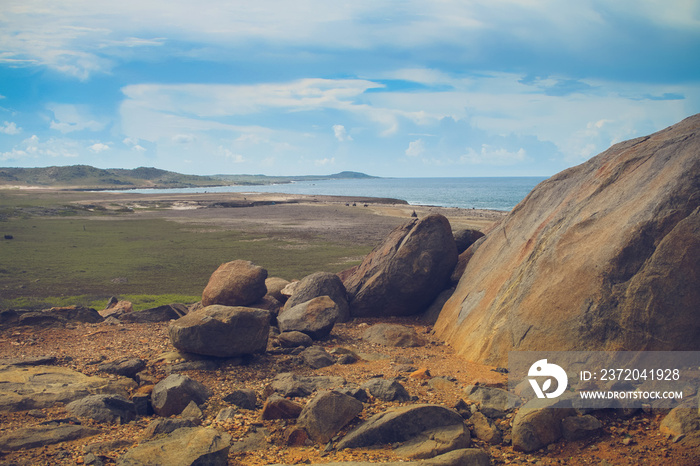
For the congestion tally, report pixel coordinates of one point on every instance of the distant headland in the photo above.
(88, 177)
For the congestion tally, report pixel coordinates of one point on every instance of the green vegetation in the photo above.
(264, 179)
(87, 177)
(86, 257)
(139, 302)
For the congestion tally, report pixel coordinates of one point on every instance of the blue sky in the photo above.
(390, 88)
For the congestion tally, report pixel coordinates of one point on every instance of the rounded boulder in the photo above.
(235, 283)
(221, 331)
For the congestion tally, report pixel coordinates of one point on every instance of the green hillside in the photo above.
(87, 177)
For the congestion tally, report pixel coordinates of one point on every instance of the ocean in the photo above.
(502, 193)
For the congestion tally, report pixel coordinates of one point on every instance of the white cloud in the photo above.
(98, 147)
(34, 148)
(10, 128)
(415, 148)
(133, 42)
(216, 100)
(493, 156)
(69, 118)
(341, 134)
(134, 145)
(325, 161)
(230, 155)
(184, 138)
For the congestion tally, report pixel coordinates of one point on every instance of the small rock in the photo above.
(317, 357)
(327, 413)
(193, 413)
(274, 286)
(126, 367)
(226, 414)
(166, 426)
(295, 437)
(294, 339)
(580, 427)
(485, 429)
(393, 335)
(493, 402)
(346, 359)
(277, 407)
(293, 385)
(243, 398)
(386, 390)
(172, 394)
(681, 420)
(164, 313)
(422, 373)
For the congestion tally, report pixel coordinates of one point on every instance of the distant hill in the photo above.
(88, 177)
(264, 179)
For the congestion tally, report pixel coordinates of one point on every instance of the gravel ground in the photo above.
(83, 346)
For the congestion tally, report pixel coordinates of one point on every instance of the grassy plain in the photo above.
(74, 247)
(62, 254)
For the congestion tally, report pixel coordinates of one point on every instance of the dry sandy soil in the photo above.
(352, 218)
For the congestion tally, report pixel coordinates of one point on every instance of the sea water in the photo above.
(496, 193)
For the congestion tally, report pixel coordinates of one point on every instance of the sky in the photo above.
(390, 88)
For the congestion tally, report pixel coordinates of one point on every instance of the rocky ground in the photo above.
(84, 346)
(33, 356)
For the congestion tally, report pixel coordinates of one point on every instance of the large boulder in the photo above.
(235, 283)
(103, 408)
(462, 457)
(437, 441)
(23, 388)
(403, 275)
(320, 284)
(315, 317)
(602, 256)
(223, 331)
(42, 435)
(399, 425)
